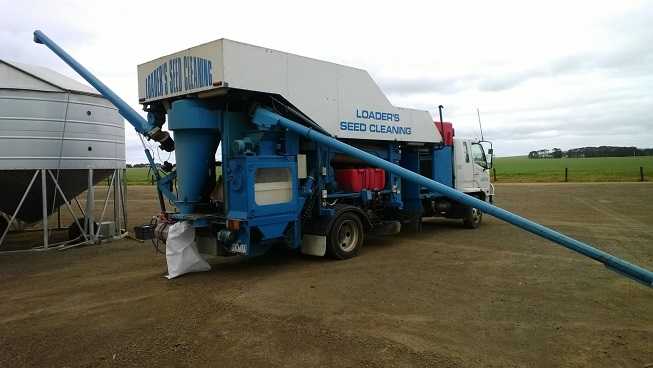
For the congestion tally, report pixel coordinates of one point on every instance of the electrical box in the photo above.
(107, 229)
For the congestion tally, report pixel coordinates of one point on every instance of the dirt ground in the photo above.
(445, 297)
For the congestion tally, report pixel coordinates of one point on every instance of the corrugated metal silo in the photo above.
(51, 122)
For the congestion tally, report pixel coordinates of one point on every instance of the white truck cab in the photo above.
(472, 168)
(471, 171)
(471, 163)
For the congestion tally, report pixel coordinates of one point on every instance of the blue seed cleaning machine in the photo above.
(287, 127)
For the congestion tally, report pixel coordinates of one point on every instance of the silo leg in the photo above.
(44, 205)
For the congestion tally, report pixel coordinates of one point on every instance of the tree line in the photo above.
(601, 151)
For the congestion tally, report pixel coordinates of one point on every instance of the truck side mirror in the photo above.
(489, 158)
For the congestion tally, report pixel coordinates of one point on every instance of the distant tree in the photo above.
(544, 153)
(607, 151)
(557, 153)
(533, 154)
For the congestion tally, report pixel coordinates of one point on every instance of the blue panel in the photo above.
(273, 219)
(193, 114)
(443, 165)
(235, 175)
(410, 190)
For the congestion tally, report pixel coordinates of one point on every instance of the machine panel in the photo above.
(345, 101)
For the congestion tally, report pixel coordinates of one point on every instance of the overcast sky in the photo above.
(555, 74)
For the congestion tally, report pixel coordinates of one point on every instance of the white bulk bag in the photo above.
(181, 252)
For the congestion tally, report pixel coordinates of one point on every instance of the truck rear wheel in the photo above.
(472, 218)
(345, 237)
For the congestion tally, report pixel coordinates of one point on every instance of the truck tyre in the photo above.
(472, 217)
(346, 236)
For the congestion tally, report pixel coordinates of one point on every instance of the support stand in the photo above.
(89, 234)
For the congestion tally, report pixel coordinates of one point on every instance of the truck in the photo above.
(311, 154)
(277, 186)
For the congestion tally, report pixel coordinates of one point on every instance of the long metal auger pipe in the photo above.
(142, 125)
(268, 118)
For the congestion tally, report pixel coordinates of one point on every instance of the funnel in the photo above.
(196, 132)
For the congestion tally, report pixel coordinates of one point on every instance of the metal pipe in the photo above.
(44, 206)
(265, 117)
(123, 195)
(79, 206)
(90, 206)
(116, 204)
(20, 205)
(106, 202)
(155, 171)
(67, 203)
(126, 111)
(142, 125)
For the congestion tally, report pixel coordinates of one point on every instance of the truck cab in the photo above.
(463, 164)
(472, 168)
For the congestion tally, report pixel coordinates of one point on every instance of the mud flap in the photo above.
(314, 245)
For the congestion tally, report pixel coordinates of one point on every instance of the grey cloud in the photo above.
(617, 118)
(632, 62)
(21, 19)
(414, 86)
(506, 81)
(629, 94)
(633, 58)
(627, 54)
(579, 124)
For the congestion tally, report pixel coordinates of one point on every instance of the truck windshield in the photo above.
(478, 155)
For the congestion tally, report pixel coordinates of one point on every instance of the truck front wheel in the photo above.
(345, 237)
(472, 218)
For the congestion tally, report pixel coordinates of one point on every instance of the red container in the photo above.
(446, 131)
(355, 180)
(350, 180)
(374, 179)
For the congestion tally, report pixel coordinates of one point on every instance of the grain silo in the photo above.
(58, 138)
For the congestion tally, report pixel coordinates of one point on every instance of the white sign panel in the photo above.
(345, 101)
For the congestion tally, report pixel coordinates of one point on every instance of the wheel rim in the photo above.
(348, 235)
(476, 215)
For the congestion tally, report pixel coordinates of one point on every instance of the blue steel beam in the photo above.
(266, 118)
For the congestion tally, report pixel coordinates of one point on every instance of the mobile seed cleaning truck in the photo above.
(312, 154)
(279, 185)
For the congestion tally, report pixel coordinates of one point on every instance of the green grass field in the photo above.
(523, 169)
(139, 175)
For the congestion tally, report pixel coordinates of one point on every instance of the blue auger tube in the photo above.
(265, 117)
